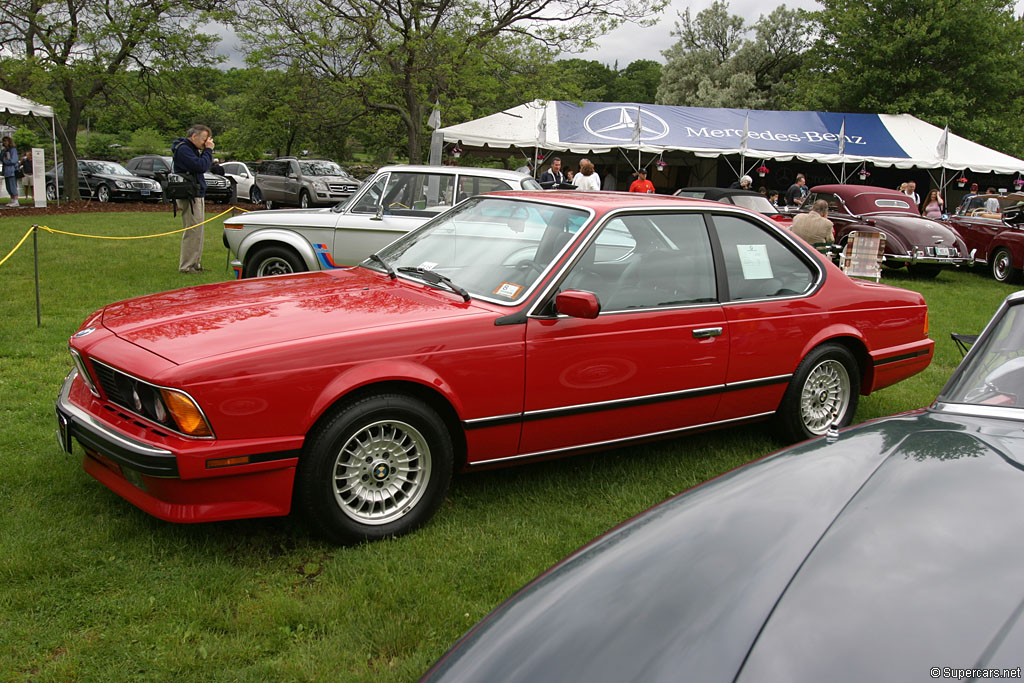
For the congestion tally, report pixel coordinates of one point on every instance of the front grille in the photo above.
(141, 185)
(106, 377)
(341, 188)
(137, 397)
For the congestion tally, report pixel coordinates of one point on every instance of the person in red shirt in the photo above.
(642, 184)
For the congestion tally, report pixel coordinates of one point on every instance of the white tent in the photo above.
(15, 104)
(885, 140)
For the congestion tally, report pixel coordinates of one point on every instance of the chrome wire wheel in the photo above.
(1002, 266)
(825, 396)
(381, 472)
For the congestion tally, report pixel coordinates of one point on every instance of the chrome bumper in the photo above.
(73, 422)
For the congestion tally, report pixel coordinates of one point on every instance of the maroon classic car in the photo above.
(922, 244)
(988, 224)
(514, 327)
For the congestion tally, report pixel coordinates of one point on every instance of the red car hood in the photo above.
(209, 320)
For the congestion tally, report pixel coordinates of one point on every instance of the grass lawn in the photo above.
(92, 588)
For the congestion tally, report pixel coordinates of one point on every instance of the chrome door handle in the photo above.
(706, 332)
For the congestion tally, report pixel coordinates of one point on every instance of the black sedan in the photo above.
(218, 188)
(105, 181)
(889, 552)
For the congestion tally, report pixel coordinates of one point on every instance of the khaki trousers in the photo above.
(193, 212)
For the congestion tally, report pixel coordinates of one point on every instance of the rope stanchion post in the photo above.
(35, 255)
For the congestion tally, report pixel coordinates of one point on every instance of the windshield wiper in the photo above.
(387, 266)
(436, 278)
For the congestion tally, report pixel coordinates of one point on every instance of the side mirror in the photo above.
(578, 304)
(380, 213)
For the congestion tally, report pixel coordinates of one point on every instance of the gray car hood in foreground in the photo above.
(892, 551)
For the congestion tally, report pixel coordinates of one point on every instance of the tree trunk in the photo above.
(414, 125)
(68, 134)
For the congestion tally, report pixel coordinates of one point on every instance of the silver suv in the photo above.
(302, 183)
(389, 204)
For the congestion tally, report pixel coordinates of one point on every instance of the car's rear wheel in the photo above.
(1002, 266)
(103, 193)
(255, 196)
(378, 467)
(824, 391)
(268, 204)
(273, 261)
(928, 270)
(304, 200)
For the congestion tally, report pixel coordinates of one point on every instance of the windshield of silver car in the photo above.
(496, 248)
(994, 375)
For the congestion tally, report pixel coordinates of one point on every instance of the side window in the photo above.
(293, 169)
(159, 165)
(472, 185)
(758, 265)
(414, 192)
(648, 261)
(370, 199)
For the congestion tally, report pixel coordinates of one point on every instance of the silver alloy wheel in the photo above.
(51, 193)
(381, 472)
(103, 194)
(303, 201)
(825, 396)
(1002, 266)
(274, 265)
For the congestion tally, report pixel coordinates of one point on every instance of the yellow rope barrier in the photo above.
(104, 237)
(18, 245)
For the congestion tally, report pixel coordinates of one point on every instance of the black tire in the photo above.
(824, 391)
(378, 467)
(1002, 266)
(272, 260)
(255, 196)
(304, 200)
(103, 194)
(924, 270)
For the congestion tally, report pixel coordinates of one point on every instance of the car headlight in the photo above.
(121, 184)
(320, 186)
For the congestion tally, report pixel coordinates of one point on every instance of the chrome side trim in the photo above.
(530, 415)
(624, 440)
(83, 420)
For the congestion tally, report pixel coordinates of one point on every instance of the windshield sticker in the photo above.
(427, 265)
(754, 260)
(508, 290)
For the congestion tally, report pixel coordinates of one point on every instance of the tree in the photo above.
(638, 82)
(946, 61)
(79, 50)
(715, 63)
(402, 57)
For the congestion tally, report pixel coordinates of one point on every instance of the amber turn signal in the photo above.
(225, 462)
(185, 413)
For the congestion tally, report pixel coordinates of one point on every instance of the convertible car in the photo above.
(514, 327)
(923, 245)
(887, 552)
(990, 226)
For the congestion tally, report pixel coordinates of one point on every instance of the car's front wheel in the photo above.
(824, 391)
(304, 200)
(51, 192)
(103, 193)
(272, 261)
(1002, 266)
(378, 467)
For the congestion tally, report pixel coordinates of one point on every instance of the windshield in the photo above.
(494, 247)
(106, 167)
(995, 373)
(321, 168)
(758, 203)
(531, 184)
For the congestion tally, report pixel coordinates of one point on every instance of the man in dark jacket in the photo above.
(193, 155)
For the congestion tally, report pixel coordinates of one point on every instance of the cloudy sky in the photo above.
(620, 45)
(629, 43)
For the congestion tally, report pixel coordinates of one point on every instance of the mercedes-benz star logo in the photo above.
(618, 122)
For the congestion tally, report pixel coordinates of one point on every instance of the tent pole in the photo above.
(56, 184)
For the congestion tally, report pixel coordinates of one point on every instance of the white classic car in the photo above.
(387, 205)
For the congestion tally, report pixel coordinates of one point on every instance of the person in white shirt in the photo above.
(587, 178)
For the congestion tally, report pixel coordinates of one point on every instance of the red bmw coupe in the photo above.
(513, 327)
